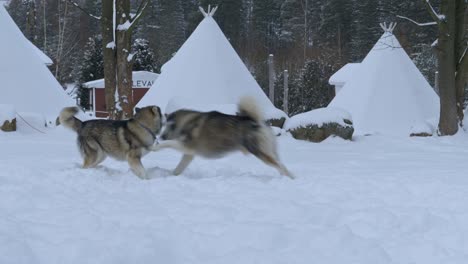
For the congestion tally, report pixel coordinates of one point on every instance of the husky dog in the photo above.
(123, 140)
(214, 134)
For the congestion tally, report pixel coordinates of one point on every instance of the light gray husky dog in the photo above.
(214, 134)
(123, 140)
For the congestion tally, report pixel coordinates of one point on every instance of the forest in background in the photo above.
(309, 38)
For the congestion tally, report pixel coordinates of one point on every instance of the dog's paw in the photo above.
(143, 177)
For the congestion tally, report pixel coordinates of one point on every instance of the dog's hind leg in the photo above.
(276, 164)
(92, 156)
(184, 162)
(269, 160)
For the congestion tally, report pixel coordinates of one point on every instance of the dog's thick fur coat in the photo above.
(123, 140)
(214, 134)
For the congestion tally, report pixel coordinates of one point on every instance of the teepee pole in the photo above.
(210, 11)
(202, 11)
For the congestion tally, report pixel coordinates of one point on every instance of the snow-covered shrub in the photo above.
(143, 56)
(319, 124)
(90, 69)
(7, 118)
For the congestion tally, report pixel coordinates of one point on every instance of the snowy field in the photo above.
(371, 201)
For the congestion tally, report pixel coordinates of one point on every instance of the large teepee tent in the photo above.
(207, 74)
(388, 94)
(26, 83)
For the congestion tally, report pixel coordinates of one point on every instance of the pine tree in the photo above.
(171, 31)
(292, 22)
(91, 68)
(365, 28)
(143, 56)
(296, 97)
(229, 18)
(266, 23)
(317, 92)
(18, 11)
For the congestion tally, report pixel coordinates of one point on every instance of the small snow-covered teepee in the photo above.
(205, 74)
(388, 94)
(25, 81)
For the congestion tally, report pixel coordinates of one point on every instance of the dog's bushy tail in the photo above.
(68, 119)
(248, 107)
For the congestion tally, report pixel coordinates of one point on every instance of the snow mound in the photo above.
(318, 117)
(7, 113)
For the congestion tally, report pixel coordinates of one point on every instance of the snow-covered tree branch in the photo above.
(437, 18)
(432, 23)
(84, 10)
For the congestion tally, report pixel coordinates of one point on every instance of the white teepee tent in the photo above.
(388, 94)
(206, 74)
(26, 83)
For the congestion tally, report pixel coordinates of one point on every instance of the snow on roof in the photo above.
(207, 70)
(27, 83)
(389, 94)
(318, 117)
(344, 74)
(140, 79)
(44, 58)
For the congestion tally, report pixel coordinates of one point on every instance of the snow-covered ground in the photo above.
(371, 201)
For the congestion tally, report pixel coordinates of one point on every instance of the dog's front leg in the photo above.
(184, 162)
(137, 167)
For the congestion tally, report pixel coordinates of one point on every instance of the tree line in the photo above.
(309, 38)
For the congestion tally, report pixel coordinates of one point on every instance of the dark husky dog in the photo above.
(214, 134)
(123, 140)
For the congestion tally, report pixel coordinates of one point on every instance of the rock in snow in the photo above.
(7, 118)
(317, 125)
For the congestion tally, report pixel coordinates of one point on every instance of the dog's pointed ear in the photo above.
(156, 110)
(137, 109)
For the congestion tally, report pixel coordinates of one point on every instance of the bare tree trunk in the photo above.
(124, 61)
(305, 7)
(271, 79)
(61, 37)
(340, 52)
(448, 123)
(285, 91)
(107, 29)
(45, 23)
(461, 57)
(31, 22)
